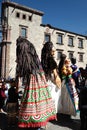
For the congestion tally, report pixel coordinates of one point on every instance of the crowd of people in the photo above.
(50, 87)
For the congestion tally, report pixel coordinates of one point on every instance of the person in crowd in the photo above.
(12, 104)
(2, 96)
(50, 68)
(76, 72)
(69, 97)
(86, 82)
(86, 68)
(36, 107)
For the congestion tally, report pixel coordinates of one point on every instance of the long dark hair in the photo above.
(61, 63)
(27, 59)
(47, 60)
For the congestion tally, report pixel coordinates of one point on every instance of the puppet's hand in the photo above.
(57, 79)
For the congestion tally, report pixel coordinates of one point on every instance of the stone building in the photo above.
(19, 20)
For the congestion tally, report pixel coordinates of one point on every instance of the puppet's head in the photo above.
(26, 58)
(48, 48)
(67, 62)
(47, 60)
(67, 70)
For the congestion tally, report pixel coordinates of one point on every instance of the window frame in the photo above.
(80, 43)
(59, 53)
(30, 17)
(80, 57)
(70, 41)
(24, 16)
(70, 55)
(60, 39)
(17, 15)
(20, 31)
(45, 37)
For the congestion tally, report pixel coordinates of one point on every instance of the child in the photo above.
(12, 104)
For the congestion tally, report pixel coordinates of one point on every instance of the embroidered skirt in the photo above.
(37, 107)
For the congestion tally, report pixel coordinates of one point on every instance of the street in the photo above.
(63, 123)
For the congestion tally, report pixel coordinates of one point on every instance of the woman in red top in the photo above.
(2, 96)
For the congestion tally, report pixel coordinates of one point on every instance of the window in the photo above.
(70, 55)
(23, 31)
(59, 53)
(70, 43)
(30, 18)
(24, 16)
(80, 57)
(47, 37)
(17, 15)
(80, 44)
(60, 39)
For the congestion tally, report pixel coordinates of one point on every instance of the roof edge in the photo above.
(48, 25)
(16, 5)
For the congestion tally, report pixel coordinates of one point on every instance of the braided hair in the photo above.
(27, 59)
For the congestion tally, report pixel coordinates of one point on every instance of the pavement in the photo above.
(64, 122)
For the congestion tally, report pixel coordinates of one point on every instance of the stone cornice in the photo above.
(15, 5)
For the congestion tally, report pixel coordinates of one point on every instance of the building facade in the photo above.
(18, 20)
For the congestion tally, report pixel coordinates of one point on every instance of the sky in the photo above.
(68, 15)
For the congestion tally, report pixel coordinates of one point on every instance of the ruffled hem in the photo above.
(35, 124)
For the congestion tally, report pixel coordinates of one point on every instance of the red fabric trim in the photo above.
(32, 114)
(26, 88)
(35, 124)
(37, 102)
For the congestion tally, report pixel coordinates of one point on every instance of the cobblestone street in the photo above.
(63, 123)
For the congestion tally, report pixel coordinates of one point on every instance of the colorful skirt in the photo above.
(37, 107)
(69, 98)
